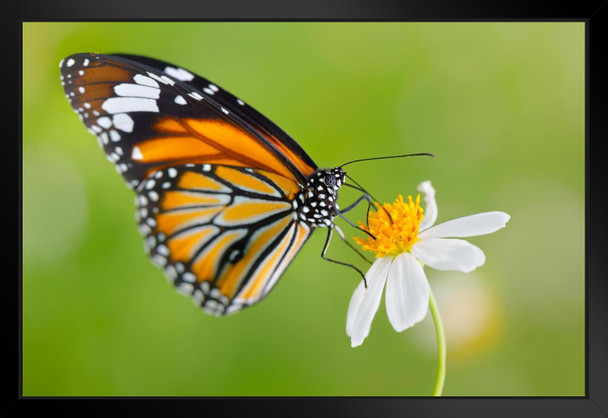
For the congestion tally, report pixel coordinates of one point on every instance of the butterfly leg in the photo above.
(351, 245)
(361, 189)
(365, 196)
(361, 199)
(339, 213)
(353, 205)
(327, 241)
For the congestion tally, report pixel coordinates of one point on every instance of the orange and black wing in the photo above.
(246, 114)
(146, 118)
(215, 180)
(223, 235)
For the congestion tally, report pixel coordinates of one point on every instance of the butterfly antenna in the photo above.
(426, 154)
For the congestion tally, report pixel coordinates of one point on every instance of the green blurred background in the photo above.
(500, 104)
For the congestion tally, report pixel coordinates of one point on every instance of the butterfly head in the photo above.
(316, 204)
(333, 178)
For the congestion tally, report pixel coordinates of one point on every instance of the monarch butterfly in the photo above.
(225, 199)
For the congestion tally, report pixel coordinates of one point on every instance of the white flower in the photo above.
(405, 239)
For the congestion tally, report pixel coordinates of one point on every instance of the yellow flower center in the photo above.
(396, 234)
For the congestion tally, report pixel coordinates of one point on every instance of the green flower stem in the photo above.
(441, 348)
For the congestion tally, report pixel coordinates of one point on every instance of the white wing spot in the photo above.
(123, 122)
(114, 136)
(136, 154)
(103, 137)
(129, 104)
(171, 273)
(157, 78)
(179, 73)
(145, 81)
(104, 122)
(162, 250)
(136, 90)
(189, 277)
(167, 80)
(180, 100)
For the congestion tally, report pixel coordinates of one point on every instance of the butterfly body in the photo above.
(317, 203)
(224, 198)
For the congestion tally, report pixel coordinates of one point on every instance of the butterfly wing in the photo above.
(275, 135)
(223, 235)
(146, 119)
(214, 182)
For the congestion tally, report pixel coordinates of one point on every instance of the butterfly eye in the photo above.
(330, 180)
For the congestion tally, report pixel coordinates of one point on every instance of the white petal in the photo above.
(468, 226)
(407, 292)
(360, 291)
(353, 306)
(365, 302)
(449, 254)
(430, 209)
